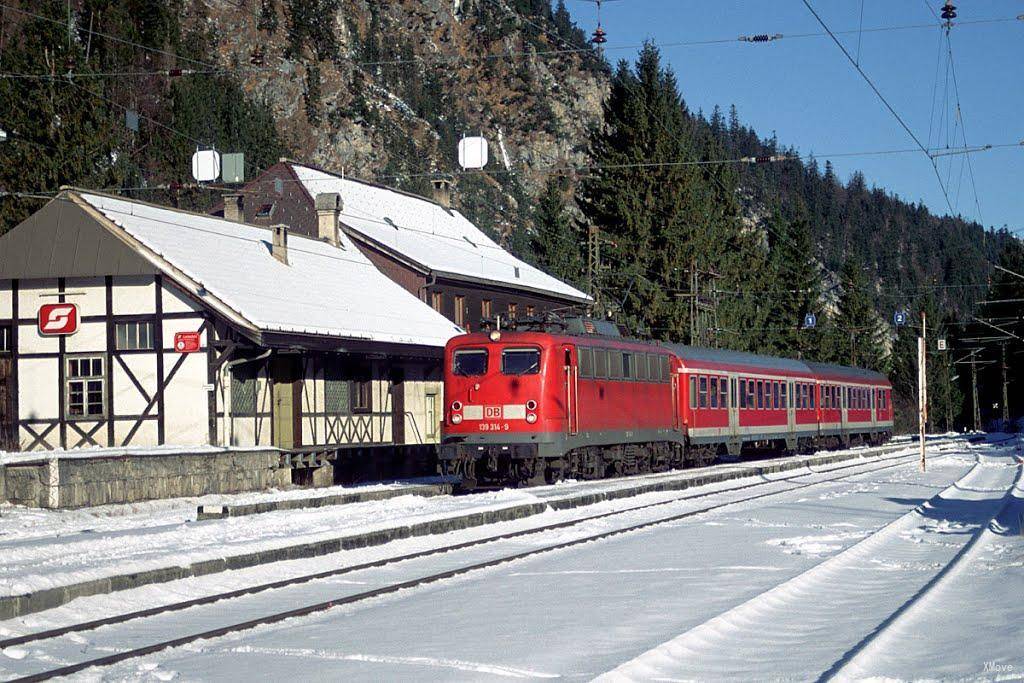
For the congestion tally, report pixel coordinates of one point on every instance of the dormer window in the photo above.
(266, 210)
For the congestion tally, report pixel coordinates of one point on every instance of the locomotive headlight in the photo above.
(531, 405)
(456, 406)
(495, 335)
(456, 419)
(531, 417)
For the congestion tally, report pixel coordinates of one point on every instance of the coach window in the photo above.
(782, 395)
(601, 363)
(85, 382)
(743, 394)
(723, 392)
(520, 361)
(640, 367)
(713, 392)
(468, 362)
(586, 361)
(627, 365)
(693, 391)
(760, 394)
(751, 403)
(615, 364)
(775, 395)
(703, 391)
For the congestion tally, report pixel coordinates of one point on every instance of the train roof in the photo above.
(698, 354)
(832, 370)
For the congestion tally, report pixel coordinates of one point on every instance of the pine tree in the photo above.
(666, 218)
(855, 333)
(798, 288)
(556, 240)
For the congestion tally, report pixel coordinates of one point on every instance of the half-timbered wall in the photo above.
(415, 399)
(151, 394)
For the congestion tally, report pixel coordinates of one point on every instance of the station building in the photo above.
(123, 323)
(424, 245)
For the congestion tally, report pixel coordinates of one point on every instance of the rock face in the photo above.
(384, 90)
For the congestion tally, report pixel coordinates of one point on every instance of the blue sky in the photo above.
(806, 91)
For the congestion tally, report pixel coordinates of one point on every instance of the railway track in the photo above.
(783, 485)
(817, 610)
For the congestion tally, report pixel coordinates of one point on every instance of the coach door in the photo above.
(571, 391)
(790, 408)
(734, 407)
(844, 393)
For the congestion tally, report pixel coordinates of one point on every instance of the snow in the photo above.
(87, 452)
(324, 290)
(418, 229)
(897, 574)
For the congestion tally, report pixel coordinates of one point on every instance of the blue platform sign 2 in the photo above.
(810, 320)
(899, 318)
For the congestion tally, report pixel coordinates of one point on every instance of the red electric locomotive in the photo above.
(536, 405)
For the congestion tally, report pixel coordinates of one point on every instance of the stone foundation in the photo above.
(55, 482)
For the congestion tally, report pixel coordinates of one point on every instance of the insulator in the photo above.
(599, 37)
(174, 72)
(948, 11)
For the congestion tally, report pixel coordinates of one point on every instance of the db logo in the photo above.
(58, 319)
(186, 342)
(491, 412)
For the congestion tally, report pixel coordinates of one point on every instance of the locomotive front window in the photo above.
(520, 362)
(470, 362)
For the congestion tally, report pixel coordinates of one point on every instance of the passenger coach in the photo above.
(534, 406)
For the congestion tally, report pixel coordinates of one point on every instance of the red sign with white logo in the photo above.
(186, 342)
(58, 319)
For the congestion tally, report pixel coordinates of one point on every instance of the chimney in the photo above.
(234, 206)
(442, 192)
(279, 250)
(328, 213)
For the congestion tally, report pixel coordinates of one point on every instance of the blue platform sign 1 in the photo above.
(810, 320)
(899, 318)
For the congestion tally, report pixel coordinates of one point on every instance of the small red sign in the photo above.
(186, 342)
(58, 319)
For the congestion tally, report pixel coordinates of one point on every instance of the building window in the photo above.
(362, 395)
(437, 302)
(134, 336)
(512, 308)
(5, 338)
(85, 382)
(243, 388)
(337, 392)
(460, 310)
(433, 423)
(485, 309)
(530, 311)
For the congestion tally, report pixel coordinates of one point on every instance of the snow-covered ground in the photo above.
(893, 573)
(44, 548)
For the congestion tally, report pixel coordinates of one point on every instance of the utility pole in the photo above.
(1006, 394)
(974, 391)
(922, 386)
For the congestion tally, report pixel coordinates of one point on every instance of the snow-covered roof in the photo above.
(438, 239)
(324, 290)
